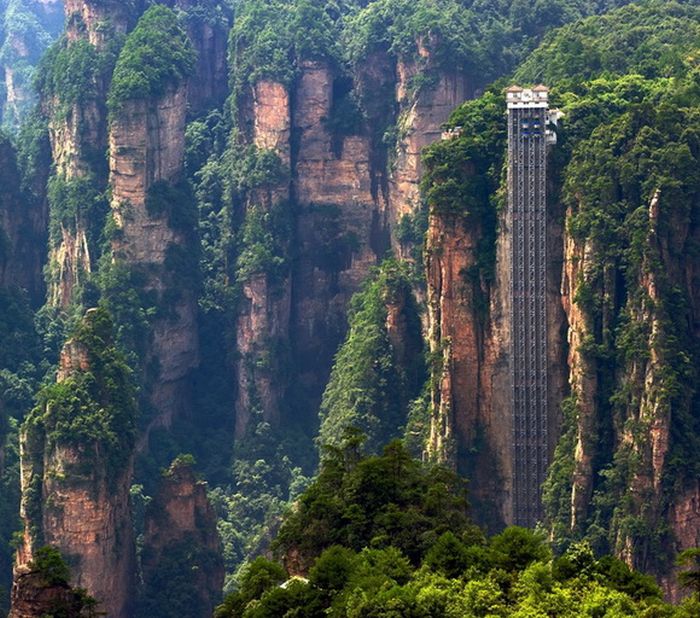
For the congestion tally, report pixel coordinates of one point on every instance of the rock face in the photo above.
(32, 597)
(75, 489)
(344, 203)
(645, 401)
(208, 86)
(264, 317)
(78, 138)
(340, 216)
(420, 120)
(146, 144)
(181, 519)
(469, 317)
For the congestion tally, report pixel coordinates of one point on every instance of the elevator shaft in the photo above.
(527, 210)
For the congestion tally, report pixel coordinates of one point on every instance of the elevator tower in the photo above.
(528, 140)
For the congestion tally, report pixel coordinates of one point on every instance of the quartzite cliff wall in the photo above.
(146, 145)
(75, 497)
(181, 525)
(470, 321)
(344, 199)
(78, 134)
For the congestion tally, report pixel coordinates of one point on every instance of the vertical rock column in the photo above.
(147, 140)
(419, 124)
(76, 453)
(78, 135)
(262, 328)
(180, 533)
(341, 229)
(153, 212)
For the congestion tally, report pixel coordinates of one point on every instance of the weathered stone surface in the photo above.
(470, 325)
(32, 597)
(421, 116)
(181, 516)
(147, 146)
(84, 507)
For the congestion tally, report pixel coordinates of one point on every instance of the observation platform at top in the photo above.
(535, 98)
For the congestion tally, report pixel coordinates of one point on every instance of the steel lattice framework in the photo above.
(527, 197)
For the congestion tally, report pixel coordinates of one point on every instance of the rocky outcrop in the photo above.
(262, 328)
(422, 113)
(341, 227)
(33, 596)
(208, 32)
(181, 542)
(146, 146)
(97, 21)
(78, 135)
(76, 468)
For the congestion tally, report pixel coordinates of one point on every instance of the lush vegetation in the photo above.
(26, 31)
(380, 536)
(625, 167)
(94, 407)
(157, 54)
(386, 536)
(372, 383)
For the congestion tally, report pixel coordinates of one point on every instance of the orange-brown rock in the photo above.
(181, 524)
(97, 20)
(262, 327)
(420, 120)
(469, 332)
(147, 146)
(76, 135)
(75, 496)
(33, 597)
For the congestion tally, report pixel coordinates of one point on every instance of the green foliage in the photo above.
(174, 588)
(383, 500)
(157, 54)
(458, 574)
(49, 563)
(654, 38)
(263, 243)
(689, 561)
(176, 203)
(372, 383)
(71, 73)
(93, 409)
(270, 39)
(75, 203)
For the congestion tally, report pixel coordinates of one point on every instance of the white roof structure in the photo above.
(524, 98)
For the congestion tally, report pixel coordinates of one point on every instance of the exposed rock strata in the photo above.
(180, 518)
(146, 146)
(75, 498)
(469, 331)
(79, 140)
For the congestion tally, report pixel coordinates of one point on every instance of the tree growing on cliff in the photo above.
(372, 383)
(156, 54)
